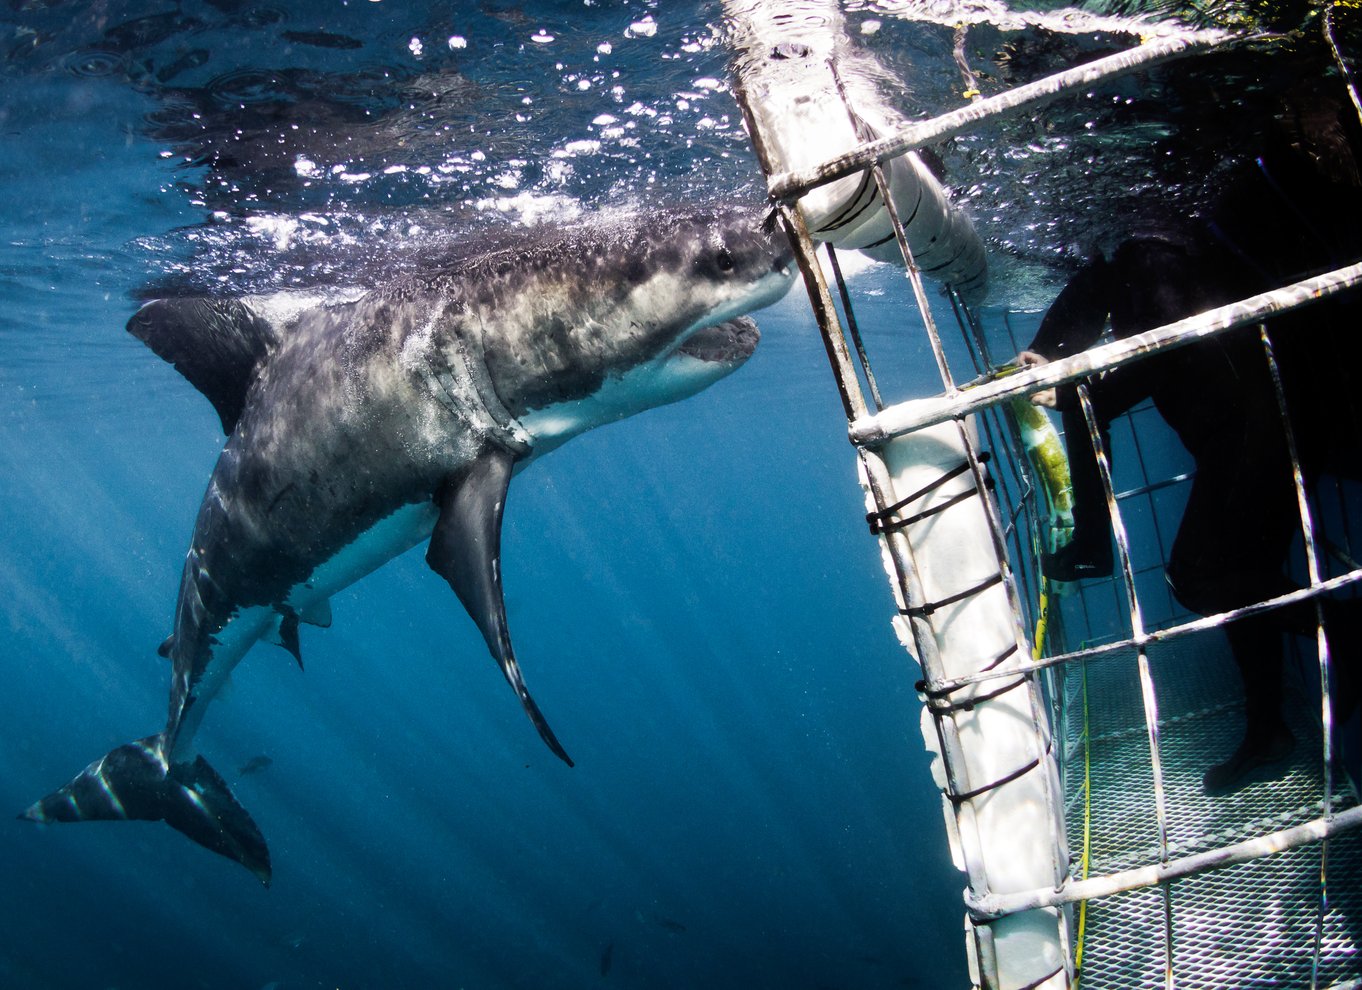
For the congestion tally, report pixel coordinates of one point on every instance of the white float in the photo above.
(794, 59)
(1005, 826)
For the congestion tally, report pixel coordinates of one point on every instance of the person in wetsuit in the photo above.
(1236, 532)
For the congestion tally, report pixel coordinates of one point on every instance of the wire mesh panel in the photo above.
(1245, 926)
(1095, 846)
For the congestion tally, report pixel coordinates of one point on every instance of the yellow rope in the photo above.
(1087, 833)
(1037, 651)
(1047, 456)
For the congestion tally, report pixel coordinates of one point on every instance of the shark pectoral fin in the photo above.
(465, 550)
(135, 782)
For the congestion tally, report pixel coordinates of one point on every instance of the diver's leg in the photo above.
(1229, 552)
(1257, 645)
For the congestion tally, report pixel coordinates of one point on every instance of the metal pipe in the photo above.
(809, 91)
(1156, 636)
(903, 418)
(794, 183)
(994, 906)
(853, 328)
(839, 357)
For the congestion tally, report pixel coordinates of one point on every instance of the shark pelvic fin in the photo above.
(285, 634)
(134, 782)
(465, 550)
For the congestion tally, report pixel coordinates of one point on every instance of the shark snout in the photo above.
(783, 265)
(783, 269)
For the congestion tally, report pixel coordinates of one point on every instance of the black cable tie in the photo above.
(880, 521)
(931, 693)
(1044, 979)
(958, 799)
(922, 611)
(968, 704)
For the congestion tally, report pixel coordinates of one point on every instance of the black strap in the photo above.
(935, 696)
(881, 521)
(967, 705)
(1000, 657)
(922, 611)
(958, 799)
(923, 688)
(886, 526)
(1044, 979)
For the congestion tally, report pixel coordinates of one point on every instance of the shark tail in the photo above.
(136, 782)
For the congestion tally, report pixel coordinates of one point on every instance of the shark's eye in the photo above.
(724, 260)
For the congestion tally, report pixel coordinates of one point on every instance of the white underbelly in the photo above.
(380, 543)
(383, 541)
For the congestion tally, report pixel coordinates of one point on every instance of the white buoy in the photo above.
(794, 59)
(1009, 835)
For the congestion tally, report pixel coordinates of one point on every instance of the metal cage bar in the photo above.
(946, 694)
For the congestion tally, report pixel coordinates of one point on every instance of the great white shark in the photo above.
(359, 427)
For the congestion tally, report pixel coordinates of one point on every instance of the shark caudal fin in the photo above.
(134, 782)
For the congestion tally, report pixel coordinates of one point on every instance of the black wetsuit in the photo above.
(1233, 541)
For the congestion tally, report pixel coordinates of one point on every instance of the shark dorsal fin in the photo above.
(217, 344)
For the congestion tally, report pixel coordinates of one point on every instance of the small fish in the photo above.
(674, 927)
(1050, 462)
(190, 60)
(607, 957)
(254, 765)
(143, 32)
(322, 39)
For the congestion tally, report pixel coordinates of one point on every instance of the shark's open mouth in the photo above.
(731, 341)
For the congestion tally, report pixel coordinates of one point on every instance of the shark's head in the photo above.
(626, 315)
(707, 355)
(681, 271)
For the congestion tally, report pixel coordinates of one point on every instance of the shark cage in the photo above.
(1069, 724)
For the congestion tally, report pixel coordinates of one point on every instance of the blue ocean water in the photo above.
(696, 605)
(695, 600)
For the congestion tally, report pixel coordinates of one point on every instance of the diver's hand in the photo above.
(1045, 397)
